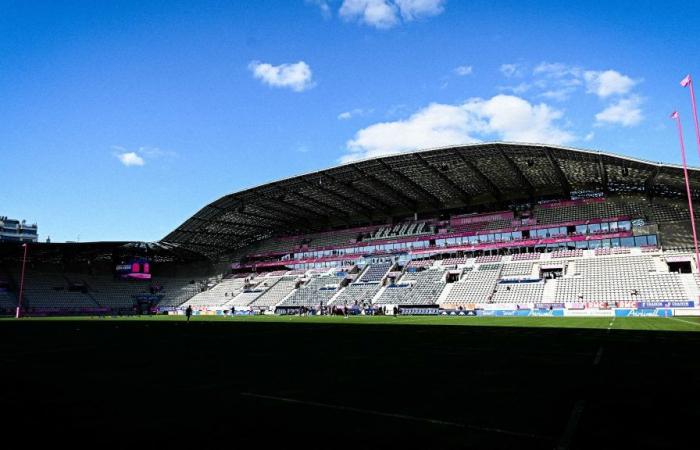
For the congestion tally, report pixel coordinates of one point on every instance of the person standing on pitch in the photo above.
(188, 312)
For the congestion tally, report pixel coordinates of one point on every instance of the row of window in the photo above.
(466, 240)
(636, 241)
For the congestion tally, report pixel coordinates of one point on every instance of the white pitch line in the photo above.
(598, 356)
(611, 324)
(571, 425)
(685, 321)
(396, 416)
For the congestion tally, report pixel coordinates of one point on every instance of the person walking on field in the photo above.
(188, 312)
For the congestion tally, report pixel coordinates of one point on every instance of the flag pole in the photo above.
(21, 282)
(677, 118)
(688, 82)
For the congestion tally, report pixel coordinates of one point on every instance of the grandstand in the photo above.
(477, 226)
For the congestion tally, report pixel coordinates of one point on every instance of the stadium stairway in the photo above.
(378, 295)
(691, 286)
(445, 292)
(550, 291)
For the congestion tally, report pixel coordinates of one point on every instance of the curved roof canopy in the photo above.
(427, 181)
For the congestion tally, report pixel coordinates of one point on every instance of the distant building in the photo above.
(13, 230)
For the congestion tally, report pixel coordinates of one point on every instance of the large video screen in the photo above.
(138, 268)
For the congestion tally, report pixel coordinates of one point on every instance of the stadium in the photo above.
(483, 229)
(565, 261)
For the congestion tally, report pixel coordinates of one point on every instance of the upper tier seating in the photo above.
(587, 211)
(487, 259)
(420, 263)
(525, 256)
(498, 224)
(567, 254)
(453, 261)
(517, 269)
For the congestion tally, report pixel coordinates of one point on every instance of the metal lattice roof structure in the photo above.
(425, 182)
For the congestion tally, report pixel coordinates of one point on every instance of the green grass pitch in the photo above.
(360, 382)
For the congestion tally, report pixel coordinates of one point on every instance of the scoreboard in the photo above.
(138, 268)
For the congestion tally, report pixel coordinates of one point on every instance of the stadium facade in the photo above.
(495, 228)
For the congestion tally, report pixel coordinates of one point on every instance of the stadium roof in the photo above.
(426, 182)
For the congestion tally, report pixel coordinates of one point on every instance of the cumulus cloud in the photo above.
(626, 112)
(607, 83)
(385, 14)
(130, 159)
(505, 117)
(463, 70)
(296, 77)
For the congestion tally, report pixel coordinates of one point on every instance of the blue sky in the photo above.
(119, 120)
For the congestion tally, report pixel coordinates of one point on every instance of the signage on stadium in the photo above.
(652, 312)
(665, 304)
(548, 305)
(589, 313)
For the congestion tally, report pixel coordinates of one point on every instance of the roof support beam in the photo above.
(518, 173)
(237, 224)
(212, 233)
(333, 210)
(563, 182)
(651, 179)
(402, 198)
(259, 217)
(464, 195)
(603, 174)
(291, 209)
(423, 192)
(358, 207)
(378, 203)
(483, 179)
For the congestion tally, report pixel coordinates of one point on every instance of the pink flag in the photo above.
(674, 115)
(685, 81)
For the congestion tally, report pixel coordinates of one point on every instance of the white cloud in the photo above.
(417, 9)
(559, 95)
(589, 137)
(558, 71)
(323, 6)
(625, 112)
(377, 13)
(385, 14)
(141, 155)
(295, 76)
(463, 70)
(505, 117)
(130, 159)
(511, 70)
(607, 83)
(353, 113)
